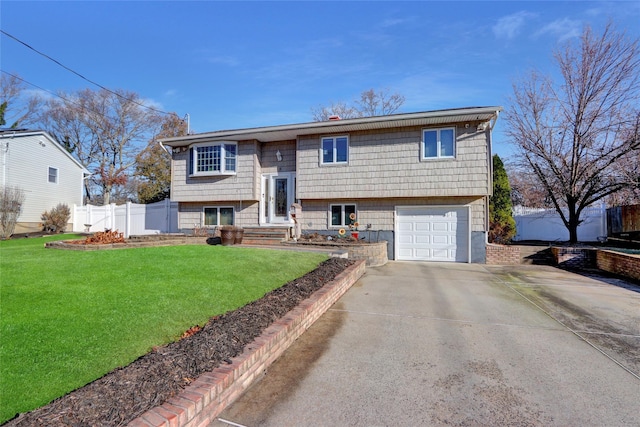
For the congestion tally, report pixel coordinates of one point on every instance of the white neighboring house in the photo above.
(35, 162)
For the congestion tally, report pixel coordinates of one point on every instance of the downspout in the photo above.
(164, 148)
(490, 180)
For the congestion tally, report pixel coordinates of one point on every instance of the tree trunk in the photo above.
(574, 221)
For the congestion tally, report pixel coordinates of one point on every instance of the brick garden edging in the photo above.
(204, 399)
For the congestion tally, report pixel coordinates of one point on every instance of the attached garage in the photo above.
(432, 233)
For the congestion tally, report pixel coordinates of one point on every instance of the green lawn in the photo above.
(69, 317)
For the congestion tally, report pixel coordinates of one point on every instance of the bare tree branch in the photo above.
(577, 136)
(371, 103)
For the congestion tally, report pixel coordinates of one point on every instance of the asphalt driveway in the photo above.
(460, 345)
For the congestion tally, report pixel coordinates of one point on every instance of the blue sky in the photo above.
(244, 64)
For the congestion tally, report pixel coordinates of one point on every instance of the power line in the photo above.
(80, 75)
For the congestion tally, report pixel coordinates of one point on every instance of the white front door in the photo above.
(277, 197)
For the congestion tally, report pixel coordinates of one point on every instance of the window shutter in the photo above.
(190, 161)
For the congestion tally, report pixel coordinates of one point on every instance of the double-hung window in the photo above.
(335, 150)
(439, 143)
(340, 215)
(53, 175)
(218, 216)
(213, 159)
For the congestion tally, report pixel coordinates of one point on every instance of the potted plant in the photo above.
(227, 235)
(238, 236)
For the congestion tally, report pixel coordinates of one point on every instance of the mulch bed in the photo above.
(126, 393)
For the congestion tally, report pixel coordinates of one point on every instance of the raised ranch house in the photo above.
(420, 181)
(34, 162)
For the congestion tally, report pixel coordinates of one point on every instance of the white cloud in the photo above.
(563, 29)
(223, 60)
(392, 22)
(510, 26)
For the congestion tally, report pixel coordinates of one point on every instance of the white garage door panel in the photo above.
(440, 226)
(433, 233)
(425, 227)
(422, 239)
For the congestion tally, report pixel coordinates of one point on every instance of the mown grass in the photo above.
(69, 317)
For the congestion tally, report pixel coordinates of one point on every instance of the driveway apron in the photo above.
(460, 345)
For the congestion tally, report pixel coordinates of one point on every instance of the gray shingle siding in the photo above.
(389, 164)
(241, 186)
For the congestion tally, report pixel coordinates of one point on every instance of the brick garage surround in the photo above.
(204, 399)
(502, 254)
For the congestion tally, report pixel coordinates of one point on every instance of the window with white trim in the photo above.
(53, 175)
(213, 159)
(218, 215)
(334, 150)
(340, 215)
(438, 143)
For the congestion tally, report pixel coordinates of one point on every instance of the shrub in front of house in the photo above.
(56, 219)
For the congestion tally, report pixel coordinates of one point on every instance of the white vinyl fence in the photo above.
(546, 224)
(131, 219)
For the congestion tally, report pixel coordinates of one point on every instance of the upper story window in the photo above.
(213, 159)
(335, 150)
(439, 143)
(53, 175)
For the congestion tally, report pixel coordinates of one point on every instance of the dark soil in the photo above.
(126, 393)
(323, 238)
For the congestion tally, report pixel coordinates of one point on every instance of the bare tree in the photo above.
(575, 135)
(17, 108)
(370, 103)
(525, 191)
(381, 103)
(105, 131)
(11, 200)
(153, 164)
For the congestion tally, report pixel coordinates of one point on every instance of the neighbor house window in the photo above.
(213, 159)
(53, 175)
(438, 143)
(335, 150)
(218, 216)
(340, 215)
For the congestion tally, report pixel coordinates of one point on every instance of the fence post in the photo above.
(167, 216)
(127, 220)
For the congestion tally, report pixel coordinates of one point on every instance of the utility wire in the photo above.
(69, 100)
(81, 76)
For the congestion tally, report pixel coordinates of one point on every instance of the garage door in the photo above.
(428, 233)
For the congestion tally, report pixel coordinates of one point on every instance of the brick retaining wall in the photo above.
(619, 263)
(503, 254)
(374, 253)
(574, 257)
(211, 393)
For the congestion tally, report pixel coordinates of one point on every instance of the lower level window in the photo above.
(341, 215)
(218, 216)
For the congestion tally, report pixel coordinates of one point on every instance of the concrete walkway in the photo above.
(459, 345)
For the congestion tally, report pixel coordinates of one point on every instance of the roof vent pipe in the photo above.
(334, 118)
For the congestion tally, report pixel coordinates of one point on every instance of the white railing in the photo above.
(131, 219)
(546, 224)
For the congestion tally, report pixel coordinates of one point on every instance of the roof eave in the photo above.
(292, 131)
